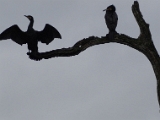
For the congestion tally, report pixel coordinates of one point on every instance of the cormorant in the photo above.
(31, 36)
(111, 20)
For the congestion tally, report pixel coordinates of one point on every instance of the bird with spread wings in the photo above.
(31, 37)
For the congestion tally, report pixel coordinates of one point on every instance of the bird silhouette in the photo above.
(111, 20)
(31, 36)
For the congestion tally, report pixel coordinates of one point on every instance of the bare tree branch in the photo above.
(143, 44)
(82, 45)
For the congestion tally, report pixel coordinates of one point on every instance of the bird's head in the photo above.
(29, 17)
(110, 8)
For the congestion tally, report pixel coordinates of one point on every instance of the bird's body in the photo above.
(31, 36)
(111, 19)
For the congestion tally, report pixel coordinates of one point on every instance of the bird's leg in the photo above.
(34, 51)
(111, 35)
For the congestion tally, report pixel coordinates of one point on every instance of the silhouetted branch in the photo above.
(143, 44)
(82, 45)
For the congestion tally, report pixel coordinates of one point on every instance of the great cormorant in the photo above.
(111, 20)
(31, 36)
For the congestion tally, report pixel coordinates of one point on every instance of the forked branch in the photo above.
(143, 44)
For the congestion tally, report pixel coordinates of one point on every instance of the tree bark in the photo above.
(143, 44)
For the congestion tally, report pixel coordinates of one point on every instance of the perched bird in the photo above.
(31, 36)
(111, 20)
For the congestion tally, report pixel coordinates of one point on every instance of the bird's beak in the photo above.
(104, 9)
(26, 16)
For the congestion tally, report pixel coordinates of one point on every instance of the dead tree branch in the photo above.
(143, 44)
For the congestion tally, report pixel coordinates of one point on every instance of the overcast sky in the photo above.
(105, 82)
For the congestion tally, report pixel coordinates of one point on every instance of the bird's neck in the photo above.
(30, 26)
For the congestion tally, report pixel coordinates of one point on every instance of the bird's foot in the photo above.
(34, 56)
(107, 36)
(28, 53)
(112, 35)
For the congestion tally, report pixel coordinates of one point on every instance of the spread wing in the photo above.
(48, 34)
(14, 33)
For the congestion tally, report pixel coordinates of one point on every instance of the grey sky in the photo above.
(109, 81)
